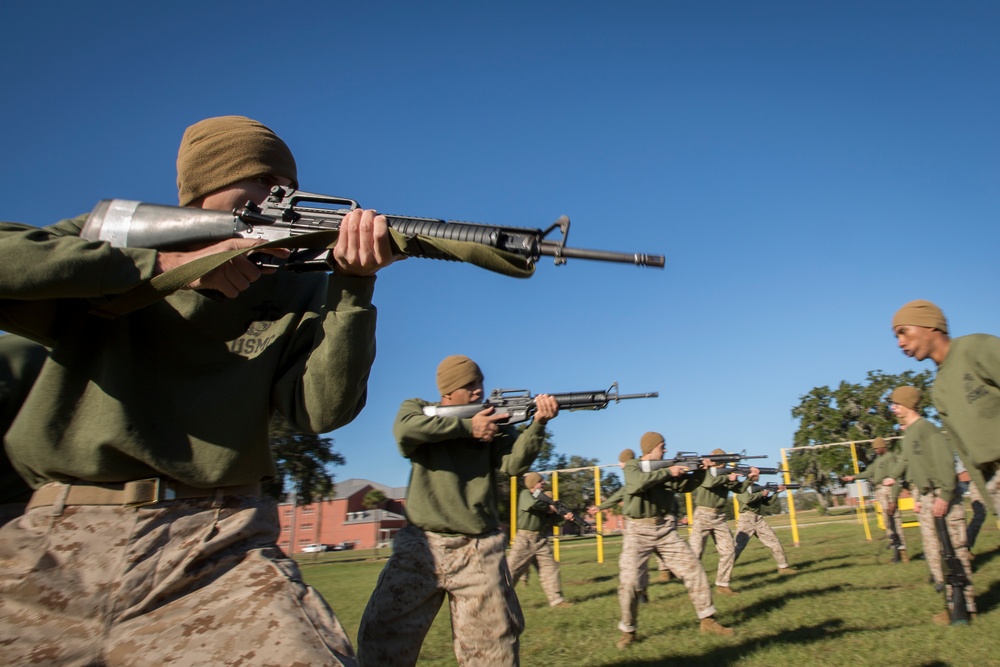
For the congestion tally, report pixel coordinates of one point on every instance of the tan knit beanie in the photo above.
(626, 455)
(649, 441)
(217, 152)
(718, 452)
(879, 443)
(922, 314)
(531, 479)
(908, 397)
(455, 372)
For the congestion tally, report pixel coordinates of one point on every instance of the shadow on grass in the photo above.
(729, 655)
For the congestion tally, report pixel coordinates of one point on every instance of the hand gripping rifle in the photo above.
(521, 405)
(132, 224)
(955, 576)
(693, 460)
(562, 509)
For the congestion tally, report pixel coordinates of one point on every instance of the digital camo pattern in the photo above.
(707, 522)
(486, 620)
(180, 582)
(642, 540)
(751, 524)
(531, 547)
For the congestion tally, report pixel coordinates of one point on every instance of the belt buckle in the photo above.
(149, 491)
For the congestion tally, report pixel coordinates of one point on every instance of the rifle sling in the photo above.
(165, 284)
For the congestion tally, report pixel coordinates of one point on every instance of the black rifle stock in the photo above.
(520, 404)
(693, 460)
(562, 509)
(132, 224)
(955, 576)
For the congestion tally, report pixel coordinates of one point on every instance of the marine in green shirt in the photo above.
(453, 547)
(966, 390)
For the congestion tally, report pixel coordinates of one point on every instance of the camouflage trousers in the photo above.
(486, 620)
(883, 494)
(532, 547)
(709, 522)
(955, 519)
(643, 537)
(751, 524)
(184, 582)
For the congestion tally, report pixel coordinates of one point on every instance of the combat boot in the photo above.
(709, 626)
(903, 556)
(625, 640)
(787, 570)
(665, 575)
(725, 590)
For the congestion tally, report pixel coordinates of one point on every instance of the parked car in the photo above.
(343, 546)
(314, 548)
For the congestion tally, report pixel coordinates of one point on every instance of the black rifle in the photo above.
(693, 460)
(132, 224)
(520, 404)
(955, 576)
(745, 470)
(771, 487)
(562, 509)
(894, 540)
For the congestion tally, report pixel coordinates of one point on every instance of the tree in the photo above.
(373, 499)
(302, 460)
(852, 412)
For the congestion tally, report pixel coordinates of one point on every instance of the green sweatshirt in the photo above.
(20, 362)
(926, 461)
(715, 488)
(651, 494)
(453, 478)
(534, 514)
(754, 501)
(880, 468)
(183, 388)
(615, 498)
(967, 396)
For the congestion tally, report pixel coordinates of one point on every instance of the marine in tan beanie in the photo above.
(922, 331)
(650, 441)
(531, 479)
(626, 455)
(217, 152)
(908, 397)
(455, 372)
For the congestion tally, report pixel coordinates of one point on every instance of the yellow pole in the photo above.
(791, 499)
(862, 512)
(600, 515)
(555, 529)
(690, 511)
(736, 508)
(513, 508)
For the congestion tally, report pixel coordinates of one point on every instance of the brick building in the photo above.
(343, 518)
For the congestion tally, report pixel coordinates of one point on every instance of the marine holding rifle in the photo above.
(648, 502)
(752, 503)
(877, 472)
(146, 435)
(535, 515)
(453, 546)
(927, 462)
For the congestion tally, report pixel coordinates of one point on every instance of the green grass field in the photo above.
(848, 605)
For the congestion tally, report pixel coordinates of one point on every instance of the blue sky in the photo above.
(805, 168)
